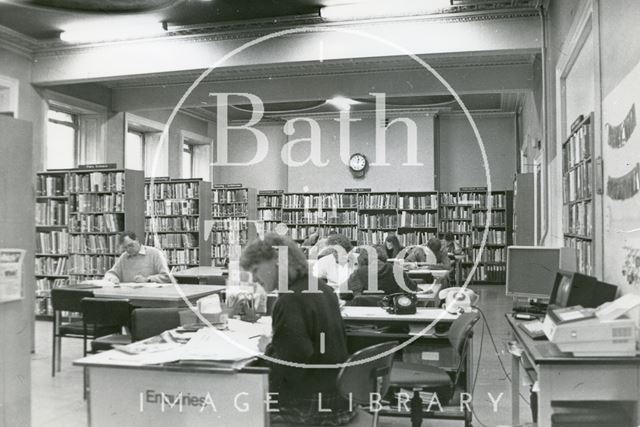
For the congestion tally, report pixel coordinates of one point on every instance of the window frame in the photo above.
(143, 139)
(73, 124)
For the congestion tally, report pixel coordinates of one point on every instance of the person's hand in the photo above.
(264, 341)
(140, 279)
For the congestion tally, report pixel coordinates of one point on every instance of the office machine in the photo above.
(587, 332)
(572, 288)
(531, 270)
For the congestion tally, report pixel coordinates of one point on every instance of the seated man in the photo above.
(139, 263)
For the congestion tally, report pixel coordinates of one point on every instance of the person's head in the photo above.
(363, 257)
(448, 237)
(435, 245)
(392, 243)
(129, 242)
(260, 258)
(337, 240)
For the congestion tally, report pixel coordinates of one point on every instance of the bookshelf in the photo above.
(455, 216)
(52, 238)
(339, 212)
(102, 203)
(577, 192)
(232, 206)
(377, 217)
(269, 210)
(175, 212)
(417, 217)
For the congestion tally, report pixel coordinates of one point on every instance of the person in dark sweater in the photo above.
(392, 246)
(298, 320)
(387, 283)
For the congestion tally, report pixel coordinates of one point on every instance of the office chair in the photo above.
(359, 381)
(104, 314)
(432, 379)
(66, 299)
(149, 322)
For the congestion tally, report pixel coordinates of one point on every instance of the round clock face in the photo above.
(358, 162)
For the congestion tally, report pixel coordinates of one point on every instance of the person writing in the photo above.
(392, 246)
(333, 266)
(387, 283)
(139, 263)
(431, 254)
(298, 320)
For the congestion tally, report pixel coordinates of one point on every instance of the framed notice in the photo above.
(11, 288)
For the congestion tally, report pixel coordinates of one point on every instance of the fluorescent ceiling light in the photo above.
(382, 9)
(342, 103)
(115, 31)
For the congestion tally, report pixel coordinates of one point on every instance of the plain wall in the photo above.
(460, 157)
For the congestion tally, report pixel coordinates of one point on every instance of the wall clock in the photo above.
(358, 164)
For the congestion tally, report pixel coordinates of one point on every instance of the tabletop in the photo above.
(423, 314)
(173, 293)
(204, 271)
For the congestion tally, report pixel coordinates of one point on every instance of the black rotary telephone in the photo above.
(401, 303)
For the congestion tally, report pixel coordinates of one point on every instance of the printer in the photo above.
(602, 332)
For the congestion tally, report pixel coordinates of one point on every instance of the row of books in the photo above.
(461, 198)
(228, 224)
(230, 196)
(53, 242)
(308, 201)
(577, 148)
(100, 223)
(51, 266)
(97, 202)
(578, 219)
(497, 237)
(269, 201)
(94, 244)
(91, 264)
(172, 190)
(418, 202)
(490, 273)
(339, 200)
(231, 237)
(583, 253)
(339, 217)
(232, 251)
(270, 215)
(350, 232)
(171, 207)
(43, 286)
(377, 221)
(464, 240)
(168, 241)
(497, 218)
(180, 223)
(185, 256)
(96, 181)
(378, 201)
(577, 182)
(452, 212)
(483, 201)
(415, 238)
(490, 254)
(47, 185)
(300, 232)
(372, 237)
(456, 226)
(229, 210)
(410, 220)
(51, 212)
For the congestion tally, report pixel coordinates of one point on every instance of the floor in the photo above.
(58, 402)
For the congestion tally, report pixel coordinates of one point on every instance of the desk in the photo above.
(378, 314)
(563, 377)
(149, 297)
(202, 275)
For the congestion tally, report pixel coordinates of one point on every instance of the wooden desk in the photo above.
(167, 296)
(202, 275)
(378, 314)
(563, 377)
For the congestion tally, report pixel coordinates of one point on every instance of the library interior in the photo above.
(319, 212)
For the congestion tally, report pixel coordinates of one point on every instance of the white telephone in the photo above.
(458, 300)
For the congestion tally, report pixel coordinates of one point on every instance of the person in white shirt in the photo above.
(335, 269)
(138, 263)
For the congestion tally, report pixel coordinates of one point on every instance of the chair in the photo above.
(149, 322)
(360, 380)
(66, 299)
(432, 379)
(108, 316)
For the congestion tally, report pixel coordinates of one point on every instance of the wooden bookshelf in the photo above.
(52, 238)
(102, 203)
(232, 207)
(455, 216)
(577, 192)
(417, 217)
(339, 213)
(269, 210)
(175, 215)
(377, 217)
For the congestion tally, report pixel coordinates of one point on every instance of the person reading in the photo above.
(138, 263)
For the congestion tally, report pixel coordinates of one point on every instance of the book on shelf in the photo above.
(52, 242)
(174, 240)
(240, 195)
(429, 201)
(339, 201)
(494, 237)
(172, 224)
(90, 264)
(270, 201)
(47, 266)
(490, 273)
(97, 223)
(455, 226)
(171, 190)
(415, 238)
(97, 202)
(87, 182)
(300, 201)
(94, 244)
(51, 213)
(378, 201)
(415, 220)
(497, 218)
(171, 207)
(374, 221)
(269, 214)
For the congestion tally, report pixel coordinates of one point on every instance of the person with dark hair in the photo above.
(138, 263)
(450, 244)
(335, 262)
(305, 396)
(392, 246)
(431, 254)
(387, 283)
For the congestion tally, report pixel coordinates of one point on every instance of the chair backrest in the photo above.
(106, 311)
(149, 322)
(359, 380)
(66, 299)
(462, 329)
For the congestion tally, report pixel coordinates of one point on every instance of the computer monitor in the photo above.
(531, 270)
(572, 288)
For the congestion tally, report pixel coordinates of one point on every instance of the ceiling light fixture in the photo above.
(342, 103)
(383, 9)
(100, 33)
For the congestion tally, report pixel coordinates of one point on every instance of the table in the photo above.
(149, 296)
(422, 315)
(202, 275)
(429, 293)
(563, 377)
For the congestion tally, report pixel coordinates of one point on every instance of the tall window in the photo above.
(134, 151)
(187, 161)
(62, 131)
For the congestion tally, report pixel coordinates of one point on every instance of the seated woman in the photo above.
(359, 279)
(392, 246)
(298, 319)
(431, 254)
(332, 267)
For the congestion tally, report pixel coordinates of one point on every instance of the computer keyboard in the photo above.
(533, 328)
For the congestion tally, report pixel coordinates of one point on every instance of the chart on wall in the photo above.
(621, 142)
